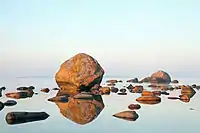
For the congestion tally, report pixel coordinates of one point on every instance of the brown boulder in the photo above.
(79, 73)
(147, 93)
(189, 91)
(137, 89)
(46, 90)
(134, 106)
(160, 77)
(149, 99)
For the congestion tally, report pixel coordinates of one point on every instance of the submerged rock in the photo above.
(79, 73)
(127, 115)
(134, 106)
(24, 117)
(10, 103)
(1, 105)
(149, 99)
(46, 90)
(164, 93)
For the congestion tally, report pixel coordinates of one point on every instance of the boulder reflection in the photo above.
(81, 111)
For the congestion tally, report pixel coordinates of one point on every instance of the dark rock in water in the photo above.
(114, 89)
(19, 95)
(175, 81)
(130, 87)
(55, 89)
(81, 111)
(104, 90)
(10, 103)
(122, 93)
(36, 93)
(134, 106)
(135, 80)
(122, 90)
(24, 117)
(87, 96)
(120, 81)
(147, 93)
(164, 93)
(59, 99)
(173, 98)
(22, 88)
(46, 90)
(113, 81)
(1, 105)
(79, 73)
(160, 77)
(31, 87)
(127, 115)
(194, 86)
(145, 80)
(137, 89)
(149, 99)
(191, 109)
(3, 88)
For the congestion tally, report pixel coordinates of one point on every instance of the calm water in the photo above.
(166, 117)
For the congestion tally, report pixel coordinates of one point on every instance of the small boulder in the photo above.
(127, 115)
(104, 90)
(134, 106)
(184, 98)
(149, 99)
(175, 81)
(63, 99)
(122, 93)
(114, 89)
(135, 80)
(156, 93)
(122, 90)
(113, 81)
(137, 89)
(147, 93)
(46, 90)
(194, 86)
(10, 103)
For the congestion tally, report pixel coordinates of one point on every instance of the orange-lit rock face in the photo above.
(189, 91)
(81, 111)
(78, 73)
(160, 77)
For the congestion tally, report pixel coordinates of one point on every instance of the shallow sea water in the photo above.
(169, 116)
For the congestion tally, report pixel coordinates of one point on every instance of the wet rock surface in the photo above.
(134, 106)
(149, 100)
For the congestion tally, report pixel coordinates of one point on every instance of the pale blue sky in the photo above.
(127, 37)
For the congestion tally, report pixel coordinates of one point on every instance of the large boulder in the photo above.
(160, 77)
(79, 73)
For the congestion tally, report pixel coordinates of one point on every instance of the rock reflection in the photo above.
(79, 109)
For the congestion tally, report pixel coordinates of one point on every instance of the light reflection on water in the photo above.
(167, 116)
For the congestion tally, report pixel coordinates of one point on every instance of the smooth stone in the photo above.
(149, 99)
(157, 93)
(46, 90)
(147, 93)
(127, 115)
(55, 89)
(10, 103)
(114, 89)
(134, 106)
(24, 117)
(122, 90)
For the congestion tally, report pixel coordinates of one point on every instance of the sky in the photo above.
(127, 37)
